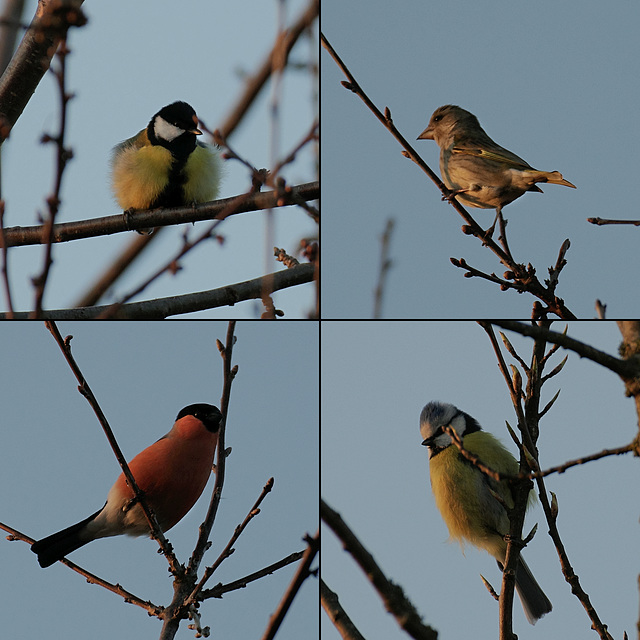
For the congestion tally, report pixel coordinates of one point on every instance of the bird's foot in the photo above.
(127, 217)
(488, 234)
(453, 193)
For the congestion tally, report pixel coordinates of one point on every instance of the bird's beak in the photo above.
(195, 130)
(427, 134)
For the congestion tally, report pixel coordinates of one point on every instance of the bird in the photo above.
(468, 499)
(477, 170)
(165, 165)
(172, 473)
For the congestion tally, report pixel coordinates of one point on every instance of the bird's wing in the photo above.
(139, 140)
(497, 154)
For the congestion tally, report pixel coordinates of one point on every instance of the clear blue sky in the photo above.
(549, 81)
(57, 469)
(375, 473)
(129, 61)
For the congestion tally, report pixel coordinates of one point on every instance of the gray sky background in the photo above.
(552, 82)
(129, 61)
(376, 377)
(57, 469)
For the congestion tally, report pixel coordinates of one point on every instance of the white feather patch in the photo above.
(165, 130)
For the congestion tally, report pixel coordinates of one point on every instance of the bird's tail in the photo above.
(555, 177)
(58, 545)
(534, 600)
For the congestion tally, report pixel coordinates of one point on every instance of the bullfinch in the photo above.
(172, 473)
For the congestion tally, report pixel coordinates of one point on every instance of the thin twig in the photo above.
(139, 497)
(624, 368)
(130, 598)
(523, 277)
(228, 550)
(176, 610)
(63, 155)
(529, 428)
(219, 590)
(385, 266)
(303, 572)
(229, 373)
(5, 266)
(603, 221)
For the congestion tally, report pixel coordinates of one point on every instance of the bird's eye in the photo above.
(437, 118)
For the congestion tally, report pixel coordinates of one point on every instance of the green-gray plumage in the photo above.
(480, 172)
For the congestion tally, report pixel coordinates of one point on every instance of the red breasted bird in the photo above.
(172, 473)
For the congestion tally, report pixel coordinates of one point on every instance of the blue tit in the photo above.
(466, 498)
(164, 165)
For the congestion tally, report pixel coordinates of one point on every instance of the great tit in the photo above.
(466, 498)
(164, 165)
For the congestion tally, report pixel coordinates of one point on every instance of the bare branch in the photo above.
(337, 614)
(164, 307)
(624, 368)
(518, 276)
(303, 572)
(130, 598)
(216, 210)
(241, 583)
(154, 528)
(33, 56)
(391, 594)
(385, 266)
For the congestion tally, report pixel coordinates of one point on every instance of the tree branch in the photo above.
(161, 308)
(154, 528)
(518, 276)
(216, 210)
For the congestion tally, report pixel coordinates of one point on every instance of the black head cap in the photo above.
(180, 136)
(209, 415)
(179, 114)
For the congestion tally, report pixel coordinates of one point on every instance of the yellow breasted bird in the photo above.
(466, 498)
(165, 165)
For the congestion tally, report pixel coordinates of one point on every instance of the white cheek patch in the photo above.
(459, 425)
(443, 441)
(165, 130)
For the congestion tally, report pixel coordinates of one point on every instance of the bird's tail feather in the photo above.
(534, 600)
(58, 545)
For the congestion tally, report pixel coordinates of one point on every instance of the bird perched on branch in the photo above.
(472, 504)
(171, 473)
(478, 171)
(164, 165)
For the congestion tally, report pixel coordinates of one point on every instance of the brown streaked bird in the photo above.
(478, 171)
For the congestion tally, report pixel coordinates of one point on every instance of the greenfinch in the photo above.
(478, 171)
